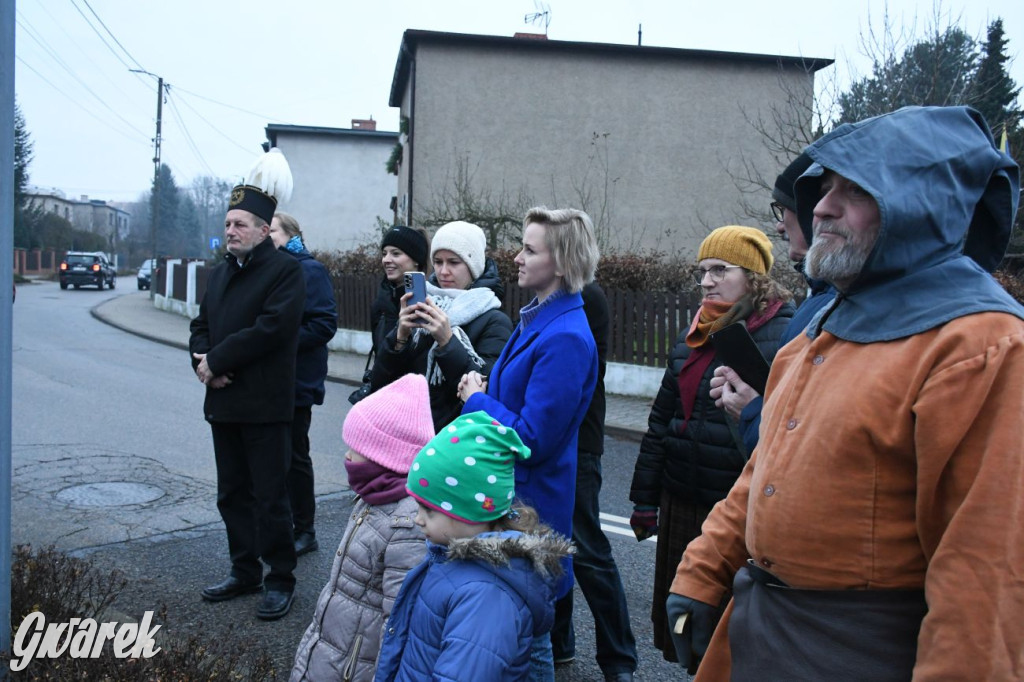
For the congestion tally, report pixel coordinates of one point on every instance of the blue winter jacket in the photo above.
(319, 322)
(541, 386)
(470, 611)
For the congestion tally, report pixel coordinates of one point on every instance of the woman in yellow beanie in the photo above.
(692, 454)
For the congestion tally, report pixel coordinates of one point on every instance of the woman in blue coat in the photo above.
(319, 322)
(543, 381)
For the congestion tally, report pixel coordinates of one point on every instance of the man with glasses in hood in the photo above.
(877, 532)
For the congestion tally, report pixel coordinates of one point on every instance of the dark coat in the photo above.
(384, 311)
(248, 325)
(595, 305)
(698, 464)
(488, 334)
(319, 322)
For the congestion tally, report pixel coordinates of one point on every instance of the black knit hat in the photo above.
(783, 192)
(254, 200)
(410, 241)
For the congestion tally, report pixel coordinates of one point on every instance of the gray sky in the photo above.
(235, 66)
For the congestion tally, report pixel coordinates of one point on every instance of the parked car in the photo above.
(87, 267)
(145, 276)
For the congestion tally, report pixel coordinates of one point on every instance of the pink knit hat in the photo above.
(390, 426)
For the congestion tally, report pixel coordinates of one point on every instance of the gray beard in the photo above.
(840, 267)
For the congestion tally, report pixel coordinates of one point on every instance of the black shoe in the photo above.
(564, 659)
(276, 604)
(230, 588)
(305, 542)
(618, 677)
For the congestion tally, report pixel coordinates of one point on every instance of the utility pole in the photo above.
(154, 218)
(6, 314)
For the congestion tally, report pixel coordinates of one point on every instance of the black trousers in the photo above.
(300, 475)
(598, 577)
(252, 496)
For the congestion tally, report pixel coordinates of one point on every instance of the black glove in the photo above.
(692, 643)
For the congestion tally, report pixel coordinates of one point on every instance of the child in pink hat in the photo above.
(384, 432)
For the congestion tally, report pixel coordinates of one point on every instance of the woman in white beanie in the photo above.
(460, 328)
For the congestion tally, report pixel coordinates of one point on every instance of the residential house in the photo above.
(89, 215)
(650, 141)
(341, 183)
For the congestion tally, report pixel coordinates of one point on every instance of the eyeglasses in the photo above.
(778, 210)
(715, 272)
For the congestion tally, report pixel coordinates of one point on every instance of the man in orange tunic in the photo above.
(877, 532)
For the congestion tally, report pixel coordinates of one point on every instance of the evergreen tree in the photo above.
(937, 71)
(165, 202)
(23, 215)
(993, 92)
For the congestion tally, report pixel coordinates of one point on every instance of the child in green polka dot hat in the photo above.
(486, 589)
(467, 471)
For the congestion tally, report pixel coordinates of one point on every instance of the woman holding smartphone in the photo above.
(692, 453)
(458, 329)
(543, 382)
(403, 249)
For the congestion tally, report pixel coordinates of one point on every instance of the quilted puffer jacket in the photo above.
(381, 543)
(700, 461)
(470, 611)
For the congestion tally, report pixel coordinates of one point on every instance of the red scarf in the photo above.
(712, 316)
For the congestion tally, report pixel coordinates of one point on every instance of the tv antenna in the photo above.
(541, 16)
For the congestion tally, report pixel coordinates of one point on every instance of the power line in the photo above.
(75, 77)
(85, 54)
(188, 137)
(213, 127)
(110, 33)
(231, 106)
(100, 35)
(78, 103)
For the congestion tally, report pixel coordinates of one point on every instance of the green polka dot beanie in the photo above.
(467, 471)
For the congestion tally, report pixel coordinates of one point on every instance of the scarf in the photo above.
(712, 316)
(294, 245)
(374, 483)
(462, 306)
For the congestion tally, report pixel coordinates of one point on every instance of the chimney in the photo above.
(85, 197)
(364, 124)
(531, 36)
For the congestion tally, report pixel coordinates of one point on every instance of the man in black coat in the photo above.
(243, 347)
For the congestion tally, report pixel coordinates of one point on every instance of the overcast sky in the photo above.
(235, 66)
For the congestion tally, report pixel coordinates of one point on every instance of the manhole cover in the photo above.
(115, 494)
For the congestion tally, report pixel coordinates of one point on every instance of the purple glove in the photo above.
(644, 521)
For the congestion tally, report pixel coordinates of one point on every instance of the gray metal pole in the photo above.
(6, 317)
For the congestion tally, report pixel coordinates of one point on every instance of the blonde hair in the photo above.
(289, 224)
(764, 290)
(569, 235)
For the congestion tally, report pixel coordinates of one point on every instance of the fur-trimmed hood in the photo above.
(529, 564)
(544, 552)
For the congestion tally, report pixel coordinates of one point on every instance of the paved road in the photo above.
(95, 406)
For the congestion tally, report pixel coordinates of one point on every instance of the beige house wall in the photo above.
(341, 185)
(646, 143)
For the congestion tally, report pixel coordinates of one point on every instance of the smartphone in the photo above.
(416, 282)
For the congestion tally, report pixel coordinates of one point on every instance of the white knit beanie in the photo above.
(465, 240)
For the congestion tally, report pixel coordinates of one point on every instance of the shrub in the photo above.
(63, 587)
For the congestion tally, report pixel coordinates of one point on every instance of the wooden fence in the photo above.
(645, 324)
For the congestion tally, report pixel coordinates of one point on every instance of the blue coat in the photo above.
(470, 611)
(541, 386)
(319, 322)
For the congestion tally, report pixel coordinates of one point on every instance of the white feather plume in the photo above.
(273, 175)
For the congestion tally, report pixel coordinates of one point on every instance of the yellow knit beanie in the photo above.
(744, 246)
